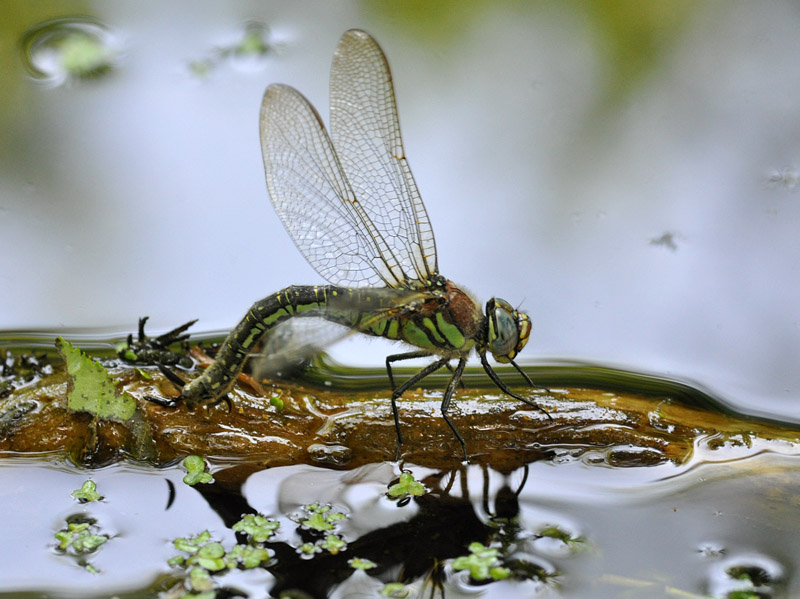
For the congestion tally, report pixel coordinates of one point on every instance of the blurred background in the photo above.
(628, 173)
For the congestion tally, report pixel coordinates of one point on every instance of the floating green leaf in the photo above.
(87, 492)
(258, 528)
(200, 580)
(192, 544)
(196, 471)
(246, 555)
(358, 563)
(79, 538)
(333, 543)
(84, 56)
(483, 563)
(309, 548)
(91, 389)
(321, 517)
(395, 590)
(406, 486)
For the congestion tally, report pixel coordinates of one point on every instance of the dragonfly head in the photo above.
(507, 330)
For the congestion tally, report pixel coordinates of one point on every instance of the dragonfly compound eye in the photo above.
(508, 329)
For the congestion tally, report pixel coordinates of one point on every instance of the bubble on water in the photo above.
(69, 49)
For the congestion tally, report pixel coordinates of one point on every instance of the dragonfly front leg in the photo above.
(504, 388)
(429, 369)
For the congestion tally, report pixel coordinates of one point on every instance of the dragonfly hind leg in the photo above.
(398, 391)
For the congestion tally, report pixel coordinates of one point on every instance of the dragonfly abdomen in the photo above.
(297, 300)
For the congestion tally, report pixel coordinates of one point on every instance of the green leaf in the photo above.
(395, 590)
(358, 563)
(277, 402)
(91, 389)
(482, 563)
(406, 486)
(79, 538)
(309, 548)
(87, 492)
(196, 468)
(334, 544)
(192, 544)
(258, 528)
(317, 522)
(246, 555)
(200, 580)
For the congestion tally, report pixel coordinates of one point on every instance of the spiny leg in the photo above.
(527, 378)
(399, 357)
(504, 388)
(429, 369)
(448, 395)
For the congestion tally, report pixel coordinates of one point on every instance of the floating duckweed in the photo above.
(87, 492)
(321, 517)
(333, 544)
(257, 528)
(483, 563)
(395, 590)
(196, 471)
(406, 486)
(79, 538)
(358, 563)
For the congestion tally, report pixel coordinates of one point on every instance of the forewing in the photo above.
(313, 198)
(366, 134)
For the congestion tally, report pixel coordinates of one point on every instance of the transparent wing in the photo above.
(297, 339)
(313, 198)
(366, 134)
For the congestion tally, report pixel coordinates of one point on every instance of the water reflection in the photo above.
(712, 529)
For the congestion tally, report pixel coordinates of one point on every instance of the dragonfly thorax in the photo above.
(507, 330)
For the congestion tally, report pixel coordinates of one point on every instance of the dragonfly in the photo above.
(350, 204)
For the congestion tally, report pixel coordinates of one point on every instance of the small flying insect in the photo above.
(352, 208)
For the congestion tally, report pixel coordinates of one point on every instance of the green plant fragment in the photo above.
(87, 492)
(247, 556)
(200, 580)
(406, 486)
(144, 374)
(91, 389)
(358, 563)
(277, 402)
(192, 544)
(395, 590)
(196, 471)
(309, 548)
(79, 538)
(483, 563)
(210, 556)
(334, 544)
(317, 522)
(257, 528)
(84, 56)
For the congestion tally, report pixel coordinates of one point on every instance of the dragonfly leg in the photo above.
(504, 388)
(458, 371)
(399, 357)
(429, 369)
